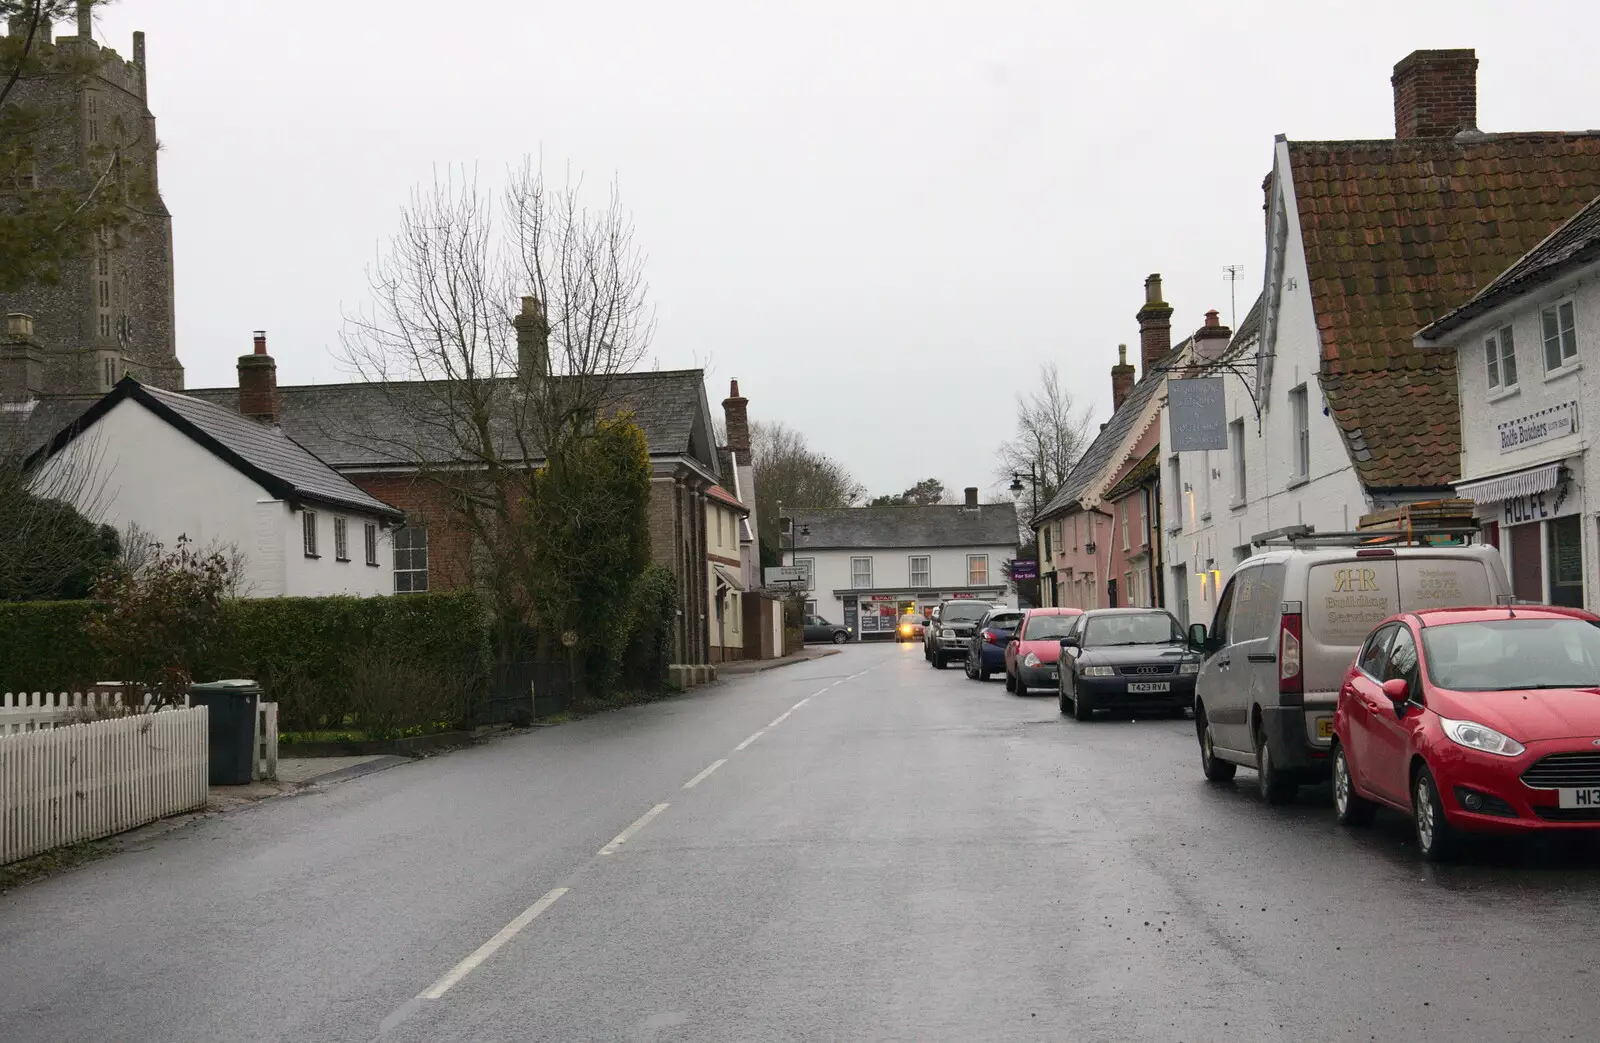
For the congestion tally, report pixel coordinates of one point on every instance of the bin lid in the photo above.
(230, 684)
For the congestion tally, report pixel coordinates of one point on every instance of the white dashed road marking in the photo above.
(488, 948)
(692, 783)
(638, 824)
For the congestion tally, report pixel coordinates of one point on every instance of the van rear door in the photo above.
(1444, 582)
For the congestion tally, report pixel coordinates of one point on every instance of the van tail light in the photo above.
(1291, 676)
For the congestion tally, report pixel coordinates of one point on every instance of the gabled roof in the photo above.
(727, 499)
(1573, 245)
(890, 528)
(1137, 475)
(1396, 234)
(384, 425)
(1104, 452)
(264, 454)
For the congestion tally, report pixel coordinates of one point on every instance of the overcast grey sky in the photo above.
(879, 216)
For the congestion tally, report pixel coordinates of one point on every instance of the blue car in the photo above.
(986, 653)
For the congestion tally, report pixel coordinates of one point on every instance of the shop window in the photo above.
(1491, 535)
(1564, 547)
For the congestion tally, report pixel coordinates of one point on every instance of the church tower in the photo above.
(111, 313)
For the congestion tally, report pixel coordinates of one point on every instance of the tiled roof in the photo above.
(717, 492)
(265, 454)
(1137, 475)
(1573, 244)
(1102, 452)
(387, 424)
(941, 525)
(1396, 234)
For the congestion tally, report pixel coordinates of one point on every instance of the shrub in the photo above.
(44, 647)
(646, 642)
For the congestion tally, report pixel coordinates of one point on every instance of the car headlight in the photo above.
(1030, 660)
(1189, 668)
(1099, 671)
(1476, 736)
(947, 632)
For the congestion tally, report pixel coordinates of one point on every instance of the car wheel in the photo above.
(983, 674)
(1436, 838)
(840, 637)
(966, 668)
(1061, 696)
(1351, 808)
(1011, 682)
(1275, 786)
(1021, 688)
(939, 662)
(1082, 708)
(1216, 769)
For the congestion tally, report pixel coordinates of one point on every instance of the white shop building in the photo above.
(1521, 346)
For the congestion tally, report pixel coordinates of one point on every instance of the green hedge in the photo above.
(380, 664)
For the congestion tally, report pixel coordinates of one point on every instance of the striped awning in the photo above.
(1517, 483)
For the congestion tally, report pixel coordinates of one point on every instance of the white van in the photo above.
(1287, 627)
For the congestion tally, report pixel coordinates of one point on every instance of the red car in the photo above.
(1473, 720)
(1035, 646)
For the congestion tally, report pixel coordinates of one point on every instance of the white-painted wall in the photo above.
(891, 572)
(150, 475)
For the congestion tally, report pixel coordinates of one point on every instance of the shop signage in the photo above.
(1533, 507)
(1543, 426)
(1197, 414)
(963, 596)
(878, 597)
(1024, 568)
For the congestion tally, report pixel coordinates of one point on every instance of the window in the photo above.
(1130, 591)
(341, 542)
(861, 573)
(372, 543)
(1560, 335)
(1046, 536)
(1236, 451)
(1372, 657)
(1300, 411)
(977, 570)
(111, 373)
(1122, 512)
(921, 571)
(1500, 356)
(1564, 552)
(1074, 531)
(733, 604)
(1205, 484)
(1401, 661)
(105, 325)
(810, 565)
(308, 530)
(1175, 480)
(811, 609)
(1144, 517)
(411, 559)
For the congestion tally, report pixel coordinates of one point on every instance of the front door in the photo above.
(1527, 572)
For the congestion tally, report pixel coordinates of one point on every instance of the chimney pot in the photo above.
(258, 383)
(533, 339)
(1435, 93)
(261, 342)
(972, 497)
(1155, 326)
(736, 420)
(1122, 379)
(1211, 318)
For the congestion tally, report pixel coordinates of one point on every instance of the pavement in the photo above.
(854, 848)
(740, 667)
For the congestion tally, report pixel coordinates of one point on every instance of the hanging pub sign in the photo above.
(1197, 414)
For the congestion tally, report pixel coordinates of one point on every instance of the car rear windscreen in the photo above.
(963, 612)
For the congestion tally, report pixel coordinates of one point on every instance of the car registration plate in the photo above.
(1149, 686)
(1325, 727)
(1052, 675)
(1579, 798)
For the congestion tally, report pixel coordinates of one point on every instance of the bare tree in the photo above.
(790, 472)
(1052, 433)
(498, 323)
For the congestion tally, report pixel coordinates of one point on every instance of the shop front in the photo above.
(876, 616)
(1535, 516)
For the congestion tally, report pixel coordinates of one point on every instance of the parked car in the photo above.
(986, 649)
(819, 629)
(910, 628)
(947, 637)
(1473, 720)
(1126, 658)
(1286, 628)
(1031, 654)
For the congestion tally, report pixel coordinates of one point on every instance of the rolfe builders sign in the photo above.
(1543, 426)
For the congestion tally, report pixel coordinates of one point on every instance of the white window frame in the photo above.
(1130, 595)
(308, 533)
(926, 571)
(1236, 452)
(1122, 512)
(370, 537)
(984, 560)
(810, 565)
(341, 539)
(1566, 337)
(1300, 414)
(855, 573)
(1500, 347)
(1144, 516)
(406, 569)
(1175, 476)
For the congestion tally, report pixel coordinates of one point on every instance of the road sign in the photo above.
(785, 576)
(1024, 568)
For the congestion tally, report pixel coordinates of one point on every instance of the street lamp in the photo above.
(1033, 484)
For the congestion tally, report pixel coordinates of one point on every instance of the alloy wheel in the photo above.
(1341, 784)
(1427, 828)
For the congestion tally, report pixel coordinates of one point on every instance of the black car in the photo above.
(819, 629)
(1126, 658)
(950, 630)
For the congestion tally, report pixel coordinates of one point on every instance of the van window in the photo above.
(1256, 602)
(1220, 623)
(1346, 599)
(1443, 583)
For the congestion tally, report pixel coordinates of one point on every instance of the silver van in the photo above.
(1287, 627)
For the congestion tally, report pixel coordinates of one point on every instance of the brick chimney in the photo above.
(533, 339)
(1121, 378)
(258, 383)
(736, 418)
(1435, 94)
(972, 498)
(1155, 326)
(1211, 339)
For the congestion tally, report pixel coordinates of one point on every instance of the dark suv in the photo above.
(950, 631)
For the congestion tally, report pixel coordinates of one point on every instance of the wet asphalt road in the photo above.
(908, 855)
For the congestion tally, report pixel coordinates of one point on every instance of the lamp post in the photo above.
(1033, 485)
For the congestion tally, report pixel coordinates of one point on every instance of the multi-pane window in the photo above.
(1236, 450)
(1175, 477)
(1144, 517)
(810, 565)
(977, 570)
(1500, 356)
(1300, 411)
(341, 541)
(411, 559)
(1045, 532)
(861, 573)
(1122, 512)
(308, 532)
(1560, 335)
(372, 543)
(921, 570)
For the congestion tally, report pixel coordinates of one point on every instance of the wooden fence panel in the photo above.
(79, 782)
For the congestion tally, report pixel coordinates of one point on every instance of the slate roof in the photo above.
(1102, 452)
(371, 425)
(1574, 244)
(941, 525)
(266, 455)
(1396, 234)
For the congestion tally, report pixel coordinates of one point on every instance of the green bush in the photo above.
(43, 647)
(647, 648)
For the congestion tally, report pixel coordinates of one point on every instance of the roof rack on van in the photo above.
(1411, 536)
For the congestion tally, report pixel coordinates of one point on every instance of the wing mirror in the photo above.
(1071, 641)
(1398, 690)
(1197, 637)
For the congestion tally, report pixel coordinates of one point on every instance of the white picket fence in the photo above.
(65, 785)
(33, 711)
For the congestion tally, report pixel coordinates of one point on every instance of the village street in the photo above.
(900, 854)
